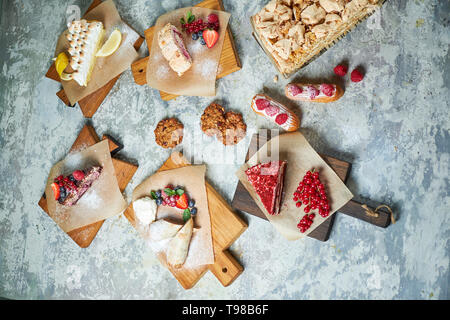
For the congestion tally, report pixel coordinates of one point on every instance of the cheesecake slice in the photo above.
(268, 180)
(85, 39)
(68, 190)
(173, 49)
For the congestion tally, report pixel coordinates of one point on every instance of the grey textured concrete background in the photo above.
(393, 127)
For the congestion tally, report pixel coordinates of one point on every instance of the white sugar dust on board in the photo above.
(91, 199)
(207, 68)
(195, 48)
(162, 72)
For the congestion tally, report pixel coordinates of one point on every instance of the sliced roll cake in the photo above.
(173, 49)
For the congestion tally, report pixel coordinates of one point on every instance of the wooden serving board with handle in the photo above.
(226, 227)
(229, 60)
(244, 202)
(124, 172)
(90, 104)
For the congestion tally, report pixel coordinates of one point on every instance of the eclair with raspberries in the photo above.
(325, 92)
(267, 107)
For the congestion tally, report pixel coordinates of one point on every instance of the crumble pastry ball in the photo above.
(169, 133)
(228, 127)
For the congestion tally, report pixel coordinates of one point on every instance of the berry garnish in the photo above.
(210, 37)
(56, 190)
(306, 222)
(356, 76)
(213, 18)
(261, 104)
(327, 89)
(313, 92)
(281, 119)
(195, 36)
(272, 110)
(202, 41)
(182, 202)
(340, 70)
(194, 211)
(78, 175)
(295, 90)
(191, 203)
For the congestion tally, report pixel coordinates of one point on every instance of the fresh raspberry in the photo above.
(340, 70)
(261, 104)
(313, 92)
(272, 110)
(295, 90)
(78, 175)
(356, 76)
(327, 89)
(281, 119)
(213, 18)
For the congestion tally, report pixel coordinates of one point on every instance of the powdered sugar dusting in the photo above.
(91, 199)
(195, 47)
(162, 72)
(207, 68)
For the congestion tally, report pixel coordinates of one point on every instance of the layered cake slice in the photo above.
(68, 190)
(85, 39)
(268, 180)
(173, 49)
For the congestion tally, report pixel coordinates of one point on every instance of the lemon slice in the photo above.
(66, 76)
(61, 63)
(111, 45)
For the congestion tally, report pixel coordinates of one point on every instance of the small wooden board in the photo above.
(90, 104)
(229, 60)
(124, 172)
(244, 202)
(226, 227)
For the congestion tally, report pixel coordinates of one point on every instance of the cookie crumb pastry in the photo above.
(169, 133)
(293, 32)
(228, 127)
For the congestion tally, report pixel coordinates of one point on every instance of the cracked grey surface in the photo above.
(393, 127)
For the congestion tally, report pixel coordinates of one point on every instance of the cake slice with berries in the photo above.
(173, 49)
(268, 180)
(68, 190)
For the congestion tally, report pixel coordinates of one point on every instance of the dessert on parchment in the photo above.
(68, 190)
(293, 32)
(265, 106)
(325, 92)
(173, 49)
(268, 181)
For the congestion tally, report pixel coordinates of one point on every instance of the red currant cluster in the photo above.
(311, 193)
(306, 222)
(194, 27)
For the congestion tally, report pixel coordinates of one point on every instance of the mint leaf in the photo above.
(153, 195)
(186, 215)
(180, 192)
(169, 192)
(182, 21)
(191, 19)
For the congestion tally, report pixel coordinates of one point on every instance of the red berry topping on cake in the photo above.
(262, 104)
(340, 70)
(281, 119)
(327, 89)
(272, 110)
(356, 76)
(210, 37)
(313, 92)
(295, 90)
(78, 175)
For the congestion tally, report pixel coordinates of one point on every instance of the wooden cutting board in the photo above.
(229, 60)
(226, 227)
(90, 104)
(244, 202)
(124, 172)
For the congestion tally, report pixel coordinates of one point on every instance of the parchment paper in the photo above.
(106, 68)
(103, 199)
(192, 179)
(200, 79)
(300, 157)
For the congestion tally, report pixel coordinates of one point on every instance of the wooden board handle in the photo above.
(354, 209)
(226, 268)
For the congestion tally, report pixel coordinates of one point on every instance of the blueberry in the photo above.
(159, 201)
(202, 41)
(194, 211)
(62, 189)
(158, 193)
(200, 34)
(194, 36)
(191, 203)
(71, 178)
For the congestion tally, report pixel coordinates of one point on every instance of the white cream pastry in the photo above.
(173, 49)
(145, 210)
(163, 229)
(85, 39)
(179, 245)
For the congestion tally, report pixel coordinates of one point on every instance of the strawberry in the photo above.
(210, 37)
(182, 202)
(56, 192)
